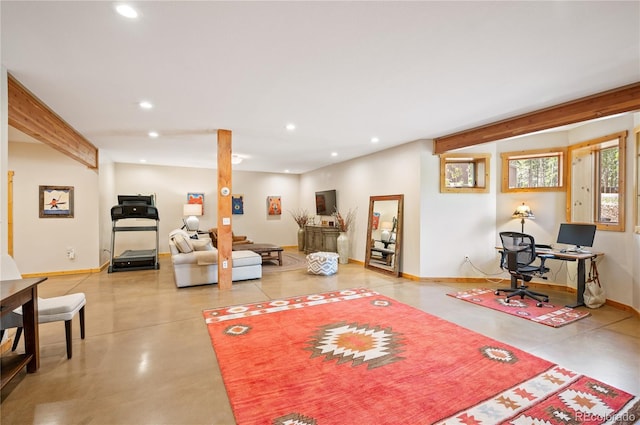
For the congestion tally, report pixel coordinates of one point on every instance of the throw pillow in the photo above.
(183, 245)
(202, 245)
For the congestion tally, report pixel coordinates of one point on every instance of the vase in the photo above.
(343, 247)
(301, 239)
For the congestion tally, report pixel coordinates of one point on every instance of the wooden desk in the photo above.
(580, 257)
(16, 293)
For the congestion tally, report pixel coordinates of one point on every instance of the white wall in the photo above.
(390, 172)
(455, 225)
(40, 244)
(106, 181)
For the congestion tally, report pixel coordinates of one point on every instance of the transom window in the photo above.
(536, 170)
(464, 173)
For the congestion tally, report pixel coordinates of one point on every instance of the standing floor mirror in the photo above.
(384, 234)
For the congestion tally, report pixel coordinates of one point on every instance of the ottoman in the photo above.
(322, 263)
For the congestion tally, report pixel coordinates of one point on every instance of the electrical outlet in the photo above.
(225, 264)
(71, 254)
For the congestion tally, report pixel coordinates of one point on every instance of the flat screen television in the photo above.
(578, 235)
(135, 200)
(326, 202)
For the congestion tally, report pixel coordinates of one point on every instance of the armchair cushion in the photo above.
(204, 258)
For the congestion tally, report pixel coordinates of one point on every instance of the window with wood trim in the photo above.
(596, 181)
(464, 173)
(539, 170)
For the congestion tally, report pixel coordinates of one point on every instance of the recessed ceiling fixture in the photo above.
(287, 171)
(143, 161)
(126, 11)
(153, 134)
(145, 104)
(290, 127)
(374, 140)
(334, 153)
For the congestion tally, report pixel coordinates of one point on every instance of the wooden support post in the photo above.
(224, 210)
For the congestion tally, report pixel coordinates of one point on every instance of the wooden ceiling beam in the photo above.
(611, 102)
(33, 117)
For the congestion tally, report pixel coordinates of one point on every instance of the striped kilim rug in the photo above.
(358, 357)
(549, 314)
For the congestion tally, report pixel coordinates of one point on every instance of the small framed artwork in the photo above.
(274, 205)
(56, 201)
(196, 198)
(237, 204)
(375, 220)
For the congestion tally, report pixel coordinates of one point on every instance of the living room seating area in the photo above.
(195, 261)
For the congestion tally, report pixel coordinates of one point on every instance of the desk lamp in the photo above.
(522, 212)
(191, 223)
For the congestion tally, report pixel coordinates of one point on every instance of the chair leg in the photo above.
(82, 322)
(17, 339)
(67, 330)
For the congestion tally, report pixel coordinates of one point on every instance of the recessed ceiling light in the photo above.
(291, 127)
(374, 140)
(126, 11)
(287, 171)
(334, 153)
(145, 104)
(153, 134)
(143, 161)
(236, 159)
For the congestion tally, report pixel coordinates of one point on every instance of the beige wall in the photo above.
(40, 244)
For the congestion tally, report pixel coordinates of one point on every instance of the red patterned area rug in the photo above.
(358, 357)
(548, 314)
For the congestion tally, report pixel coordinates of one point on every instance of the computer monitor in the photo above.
(579, 235)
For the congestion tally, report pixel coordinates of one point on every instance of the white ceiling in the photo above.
(343, 72)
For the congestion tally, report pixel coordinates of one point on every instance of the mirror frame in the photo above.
(394, 269)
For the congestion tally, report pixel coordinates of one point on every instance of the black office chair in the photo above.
(518, 255)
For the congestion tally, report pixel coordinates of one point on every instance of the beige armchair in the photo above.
(237, 240)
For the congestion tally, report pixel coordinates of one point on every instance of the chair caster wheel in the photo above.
(546, 300)
(497, 293)
(538, 304)
(506, 300)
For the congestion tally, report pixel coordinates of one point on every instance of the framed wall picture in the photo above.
(56, 201)
(237, 204)
(196, 198)
(274, 205)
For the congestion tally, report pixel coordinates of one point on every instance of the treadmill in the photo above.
(136, 207)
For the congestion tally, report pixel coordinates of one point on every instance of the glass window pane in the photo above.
(608, 193)
(460, 174)
(534, 172)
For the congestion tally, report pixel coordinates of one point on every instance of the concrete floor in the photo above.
(147, 357)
